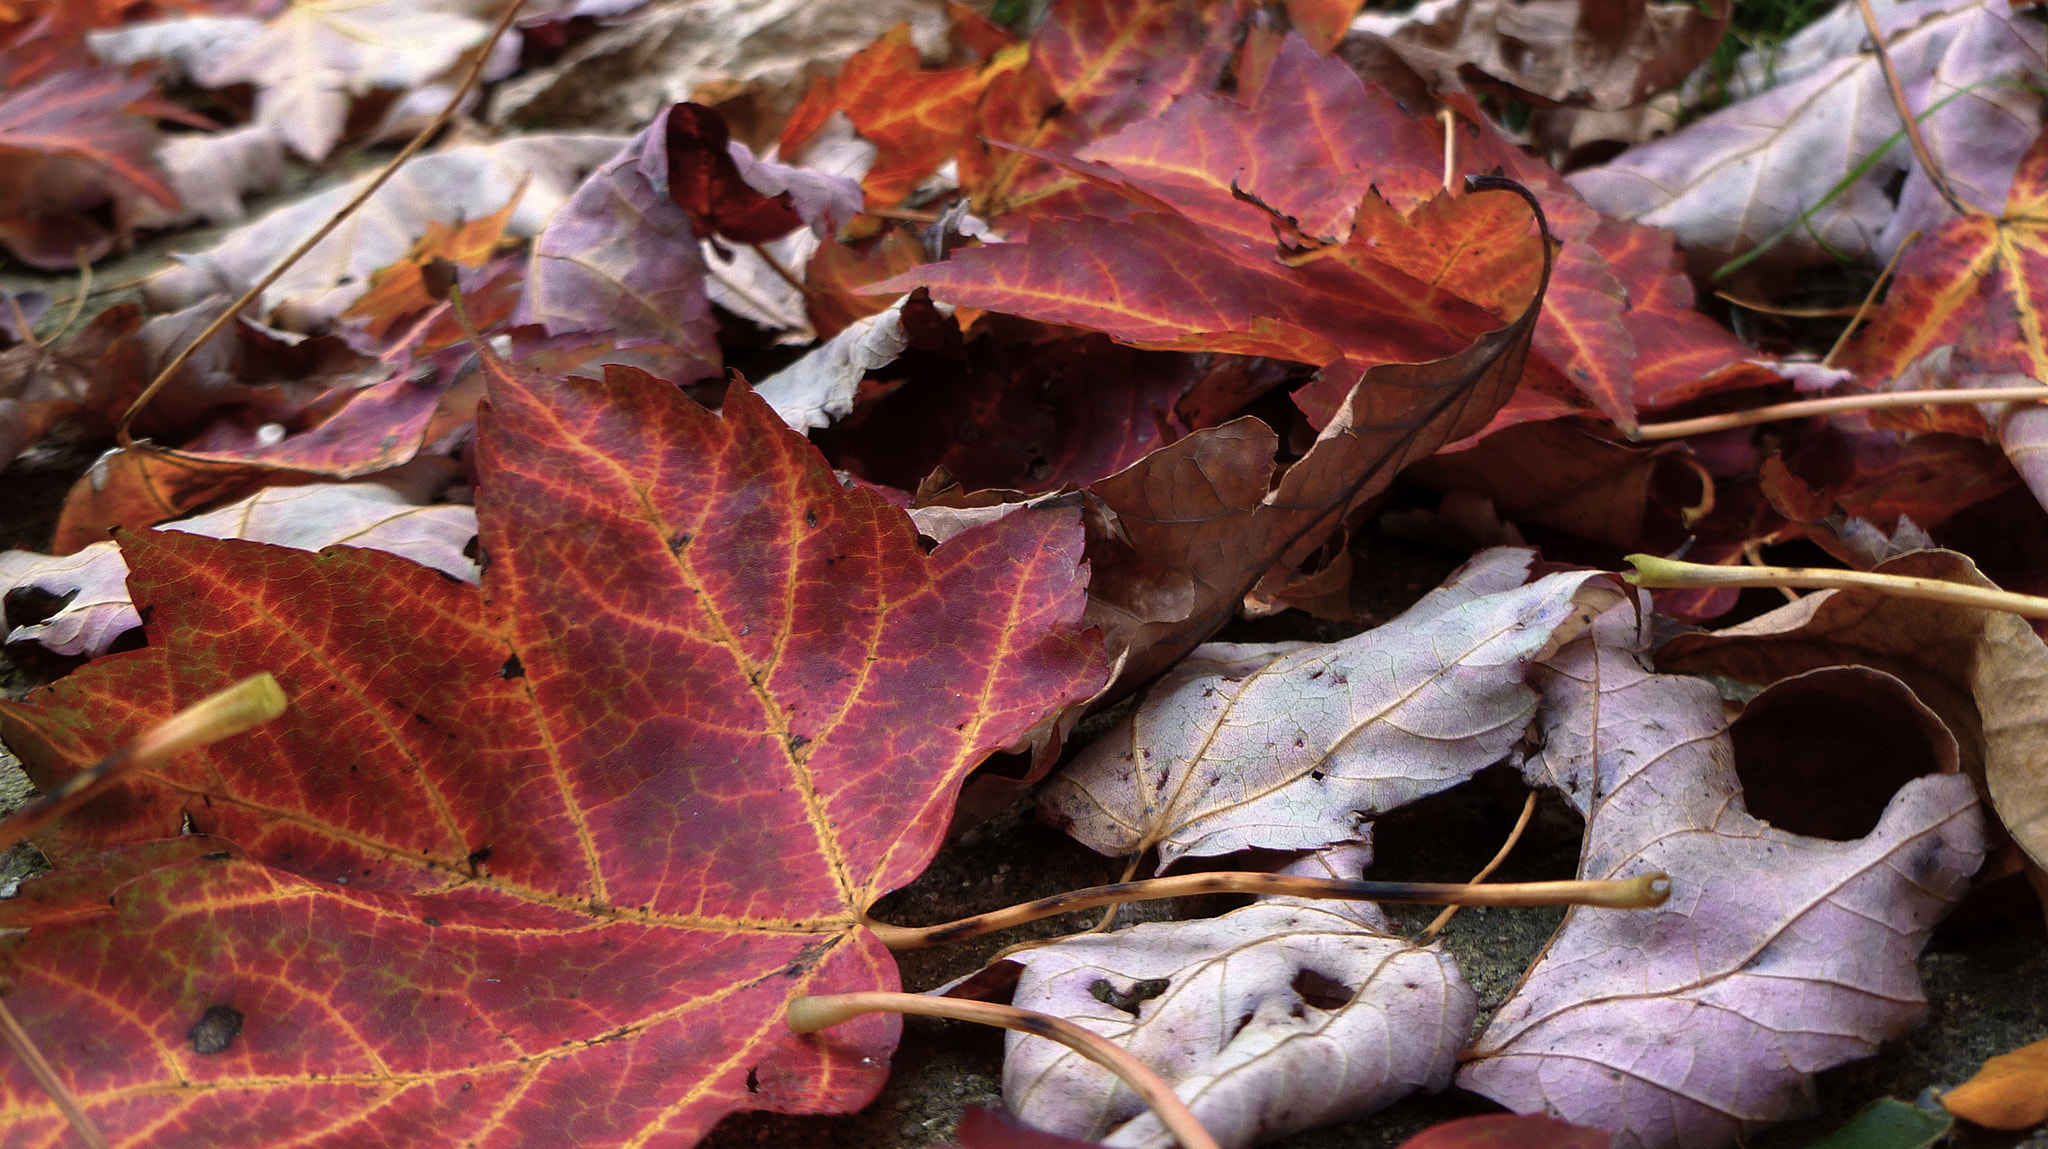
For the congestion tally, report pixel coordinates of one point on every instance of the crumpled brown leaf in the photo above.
(42, 384)
(1733, 179)
(1284, 1015)
(459, 184)
(1293, 746)
(1777, 955)
(1604, 54)
(375, 514)
(1177, 539)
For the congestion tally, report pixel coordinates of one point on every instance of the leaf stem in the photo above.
(1870, 297)
(811, 1014)
(1920, 152)
(1643, 892)
(1652, 571)
(468, 85)
(1802, 408)
(785, 274)
(17, 1041)
(1436, 925)
(241, 707)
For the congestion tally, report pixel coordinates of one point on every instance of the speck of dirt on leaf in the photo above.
(216, 1029)
(512, 668)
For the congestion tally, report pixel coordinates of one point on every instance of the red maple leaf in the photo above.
(66, 146)
(539, 863)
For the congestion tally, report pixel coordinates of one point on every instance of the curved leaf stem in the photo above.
(1642, 892)
(1437, 924)
(1870, 297)
(468, 85)
(811, 1014)
(1920, 152)
(223, 714)
(1652, 571)
(1802, 408)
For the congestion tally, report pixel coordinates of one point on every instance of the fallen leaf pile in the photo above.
(746, 428)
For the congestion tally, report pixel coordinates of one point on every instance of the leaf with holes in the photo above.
(546, 856)
(1284, 1015)
(1778, 954)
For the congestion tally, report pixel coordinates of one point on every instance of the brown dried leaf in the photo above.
(1585, 53)
(1732, 180)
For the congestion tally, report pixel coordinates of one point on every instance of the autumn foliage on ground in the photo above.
(661, 497)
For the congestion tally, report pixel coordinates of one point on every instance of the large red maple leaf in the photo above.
(540, 864)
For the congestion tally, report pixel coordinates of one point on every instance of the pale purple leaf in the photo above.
(365, 514)
(1294, 747)
(1777, 956)
(620, 256)
(1281, 1016)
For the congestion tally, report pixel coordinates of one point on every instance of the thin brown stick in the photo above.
(907, 215)
(256, 290)
(17, 1041)
(1637, 893)
(788, 276)
(1109, 915)
(1920, 152)
(1652, 571)
(1870, 298)
(1802, 408)
(104, 288)
(811, 1014)
(1443, 919)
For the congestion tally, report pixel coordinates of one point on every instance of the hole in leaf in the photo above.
(1822, 753)
(1321, 991)
(1127, 1000)
(1238, 1028)
(29, 605)
(1894, 186)
(753, 1080)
